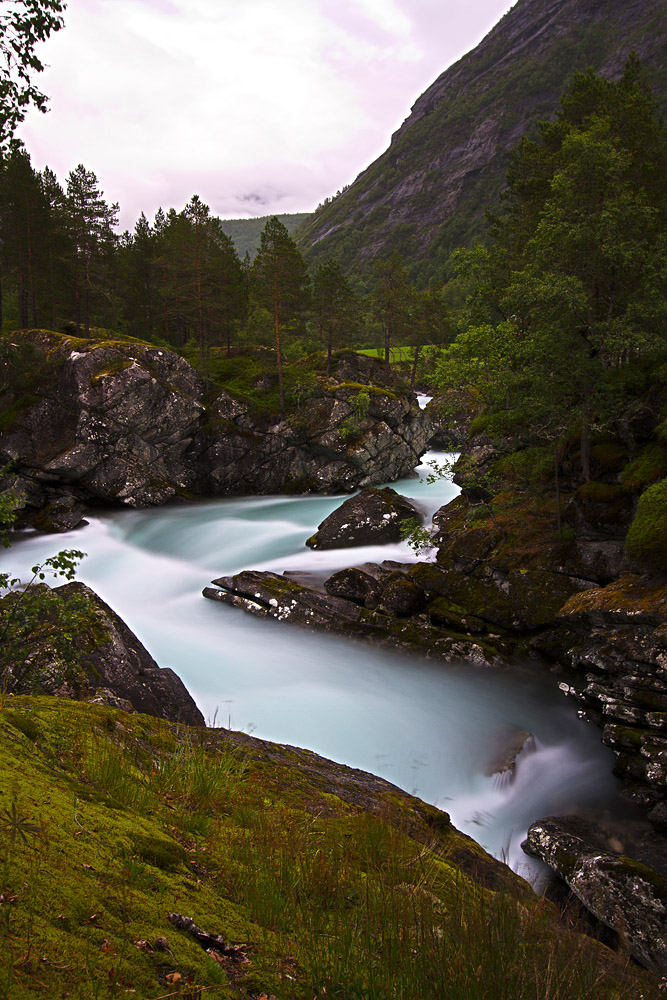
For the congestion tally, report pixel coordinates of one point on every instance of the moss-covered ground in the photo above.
(321, 882)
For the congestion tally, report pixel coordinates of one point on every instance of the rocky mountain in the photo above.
(428, 192)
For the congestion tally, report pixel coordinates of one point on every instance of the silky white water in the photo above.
(429, 728)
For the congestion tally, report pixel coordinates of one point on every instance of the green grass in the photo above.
(328, 887)
(396, 354)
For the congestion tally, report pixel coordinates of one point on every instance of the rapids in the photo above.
(428, 727)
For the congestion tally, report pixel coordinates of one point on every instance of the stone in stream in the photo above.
(372, 517)
(509, 744)
(624, 894)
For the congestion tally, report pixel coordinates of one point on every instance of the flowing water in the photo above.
(429, 728)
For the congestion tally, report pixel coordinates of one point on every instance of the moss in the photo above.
(11, 415)
(116, 366)
(649, 466)
(360, 387)
(595, 492)
(158, 851)
(608, 456)
(646, 541)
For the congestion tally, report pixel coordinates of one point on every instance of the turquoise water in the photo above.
(428, 727)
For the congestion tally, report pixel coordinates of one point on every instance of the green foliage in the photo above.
(646, 541)
(574, 265)
(279, 283)
(649, 465)
(23, 25)
(416, 535)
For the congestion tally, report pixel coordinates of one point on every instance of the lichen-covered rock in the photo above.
(600, 510)
(64, 514)
(622, 893)
(271, 596)
(372, 517)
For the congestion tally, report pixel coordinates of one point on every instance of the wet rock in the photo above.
(64, 514)
(135, 424)
(509, 745)
(624, 894)
(271, 596)
(354, 585)
(402, 597)
(373, 517)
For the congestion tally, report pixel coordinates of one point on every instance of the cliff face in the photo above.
(131, 423)
(445, 166)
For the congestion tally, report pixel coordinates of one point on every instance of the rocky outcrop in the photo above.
(451, 414)
(623, 893)
(393, 613)
(614, 639)
(372, 517)
(130, 423)
(113, 667)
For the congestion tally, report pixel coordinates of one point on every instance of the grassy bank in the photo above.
(320, 882)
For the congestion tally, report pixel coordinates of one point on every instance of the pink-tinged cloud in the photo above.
(258, 107)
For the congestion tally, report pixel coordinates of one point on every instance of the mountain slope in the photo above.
(245, 233)
(427, 193)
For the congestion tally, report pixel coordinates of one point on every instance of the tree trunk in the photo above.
(557, 479)
(387, 346)
(413, 373)
(586, 446)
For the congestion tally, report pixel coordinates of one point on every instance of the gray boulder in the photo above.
(373, 517)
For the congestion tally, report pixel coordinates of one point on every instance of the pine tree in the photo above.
(334, 305)
(279, 282)
(575, 264)
(392, 301)
(91, 223)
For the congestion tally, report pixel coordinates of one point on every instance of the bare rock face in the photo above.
(134, 424)
(624, 894)
(372, 517)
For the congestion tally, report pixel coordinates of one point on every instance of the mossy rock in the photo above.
(159, 851)
(649, 466)
(646, 541)
(608, 457)
(446, 614)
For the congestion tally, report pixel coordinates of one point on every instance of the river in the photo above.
(427, 727)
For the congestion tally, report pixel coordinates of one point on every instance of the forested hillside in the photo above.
(427, 194)
(245, 233)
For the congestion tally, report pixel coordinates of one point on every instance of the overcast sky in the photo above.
(259, 106)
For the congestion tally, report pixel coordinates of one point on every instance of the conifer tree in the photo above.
(392, 301)
(279, 282)
(575, 264)
(91, 223)
(333, 305)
